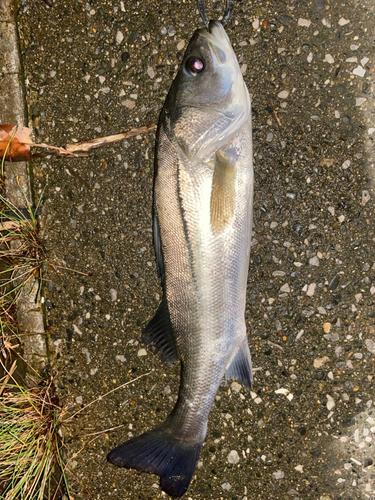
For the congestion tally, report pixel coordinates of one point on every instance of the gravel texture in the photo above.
(307, 428)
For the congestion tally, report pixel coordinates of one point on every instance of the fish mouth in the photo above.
(218, 41)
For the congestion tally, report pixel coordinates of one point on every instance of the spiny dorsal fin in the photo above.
(241, 367)
(158, 335)
(223, 192)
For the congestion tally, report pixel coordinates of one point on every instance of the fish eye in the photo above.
(194, 65)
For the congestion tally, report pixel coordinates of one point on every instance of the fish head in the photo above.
(208, 101)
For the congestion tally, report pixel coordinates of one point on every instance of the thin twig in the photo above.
(105, 430)
(68, 269)
(86, 146)
(4, 382)
(104, 395)
(275, 345)
(277, 118)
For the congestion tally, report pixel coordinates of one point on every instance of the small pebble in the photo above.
(365, 197)
(226, 486)
(314, 261)
(330, 402)
(283, 391)
(329, 59)
(319, 362)
(360, 100)
(327, 327)
(235, 386)
(113, 294)
(119, 37)
(278, 474)
(77, 330)
(151, 72)
(233, 457)
(142, 352)
(171, 31)
(311, 290)
(334, 282)
(343, 21)
(278, 273)
(283, 94)
(370, 345)
(79, 400)
(346, 164)
(359, 71)
(304, 22)
(286, 20)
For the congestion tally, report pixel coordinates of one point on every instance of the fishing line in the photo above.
(229, 5)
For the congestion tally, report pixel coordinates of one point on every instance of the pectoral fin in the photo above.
(241, 366)
(223, 193)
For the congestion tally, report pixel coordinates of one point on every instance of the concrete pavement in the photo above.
(306, 431)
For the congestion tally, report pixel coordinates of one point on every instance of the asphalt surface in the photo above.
(307, 429)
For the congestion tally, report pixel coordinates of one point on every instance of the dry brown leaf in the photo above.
(8, 225)
(15, 143)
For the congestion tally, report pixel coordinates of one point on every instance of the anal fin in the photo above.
(241, 366)
(158, 335)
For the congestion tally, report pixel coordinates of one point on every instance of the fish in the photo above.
(203, 192)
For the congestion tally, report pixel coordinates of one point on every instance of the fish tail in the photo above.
(157, 451)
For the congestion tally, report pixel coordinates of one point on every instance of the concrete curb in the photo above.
(18, 187)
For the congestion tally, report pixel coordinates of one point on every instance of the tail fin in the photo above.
(158, 452)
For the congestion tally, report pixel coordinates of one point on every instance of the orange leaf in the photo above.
(15, 143)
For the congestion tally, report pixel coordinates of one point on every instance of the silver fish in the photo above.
(202, 229)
